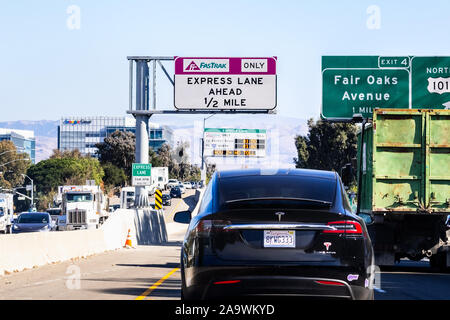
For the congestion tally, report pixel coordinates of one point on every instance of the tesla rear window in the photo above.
(248, 187)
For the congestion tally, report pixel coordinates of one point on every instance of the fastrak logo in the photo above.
(206, 65)
(192, 67)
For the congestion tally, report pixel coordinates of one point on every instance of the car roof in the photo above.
(32, 212)
(278, 172)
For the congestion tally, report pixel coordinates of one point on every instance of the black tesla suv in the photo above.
(288, 232)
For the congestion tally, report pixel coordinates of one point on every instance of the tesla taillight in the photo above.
(205, 228)
(346, 227)
(330, 283)
(227, 282)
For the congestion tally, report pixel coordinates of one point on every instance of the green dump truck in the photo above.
(405, 184)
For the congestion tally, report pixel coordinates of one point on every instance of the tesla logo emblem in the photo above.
(327, 245)
(279, 214)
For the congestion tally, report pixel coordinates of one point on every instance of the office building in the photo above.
(83, 133)
(24, 141)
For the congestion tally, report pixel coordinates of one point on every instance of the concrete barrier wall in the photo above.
(29, 250)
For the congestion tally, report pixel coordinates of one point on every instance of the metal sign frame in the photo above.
(157, 60)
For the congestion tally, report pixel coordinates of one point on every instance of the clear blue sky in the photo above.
(48, 71)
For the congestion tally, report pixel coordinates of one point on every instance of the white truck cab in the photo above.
(83, 206)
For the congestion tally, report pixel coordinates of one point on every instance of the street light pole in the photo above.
(203, 140)
(32, 190)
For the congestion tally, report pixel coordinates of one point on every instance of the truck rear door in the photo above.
(411, 156)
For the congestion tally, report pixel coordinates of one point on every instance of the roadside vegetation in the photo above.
(327, 146)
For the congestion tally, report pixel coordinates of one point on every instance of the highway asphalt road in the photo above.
(152, 272)
(411, 280)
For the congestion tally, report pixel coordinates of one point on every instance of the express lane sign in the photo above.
(141, 174)
(225, 83)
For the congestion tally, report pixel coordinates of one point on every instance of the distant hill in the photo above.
(189, 128)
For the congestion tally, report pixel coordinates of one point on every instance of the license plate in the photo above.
(279, 239)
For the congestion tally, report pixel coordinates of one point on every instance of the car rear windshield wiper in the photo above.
(322, 202)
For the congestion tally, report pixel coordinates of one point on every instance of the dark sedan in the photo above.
(33, 222)
(282, 233)
(175, 192)
(166, 199)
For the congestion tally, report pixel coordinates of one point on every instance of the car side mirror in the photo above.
(368, 219)
(182, 217)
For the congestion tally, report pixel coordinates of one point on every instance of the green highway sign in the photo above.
(358, 84)
(141, 174)
(430, 85)
(348, 92)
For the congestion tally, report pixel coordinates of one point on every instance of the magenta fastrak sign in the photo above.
(233, 65)
(225, 83)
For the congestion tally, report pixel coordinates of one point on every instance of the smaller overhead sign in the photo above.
(141, 174)
(235, 142)
(225, 83)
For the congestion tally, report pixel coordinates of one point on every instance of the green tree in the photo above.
(58, 154)
(327, 146)
(114, 176)
(166, 159)
(210, 169)
(63, 168)
(12, 165)
(118, 149)
(154, 158)
(51, 173)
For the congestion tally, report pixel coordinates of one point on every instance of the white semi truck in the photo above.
(6, 212)
(85, 207)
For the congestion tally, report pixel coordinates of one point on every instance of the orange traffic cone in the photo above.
(128, 241)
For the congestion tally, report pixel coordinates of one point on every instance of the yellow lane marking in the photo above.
(156, 284)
